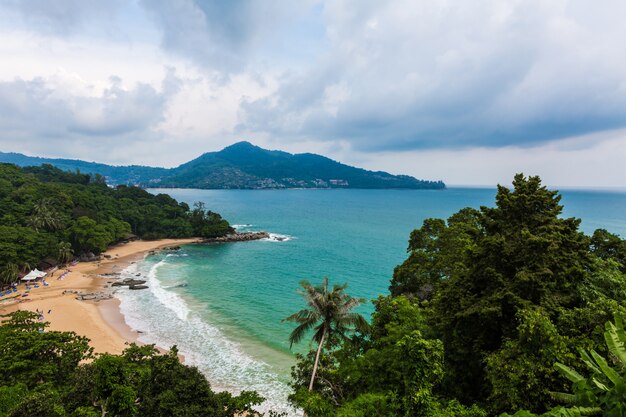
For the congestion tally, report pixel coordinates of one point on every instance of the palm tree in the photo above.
(65, 252)
(328, 313)
(8, 274)
(44, 216)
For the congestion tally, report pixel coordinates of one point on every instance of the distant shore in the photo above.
(101, 321)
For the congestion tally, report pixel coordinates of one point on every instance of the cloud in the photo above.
(62, 17)
(222, 36)
(366, 82)
(414, 75)
(55, 111)
(591, 161)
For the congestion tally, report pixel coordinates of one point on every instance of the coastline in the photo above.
(100, 321)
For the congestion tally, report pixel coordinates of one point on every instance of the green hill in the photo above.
(240, 166)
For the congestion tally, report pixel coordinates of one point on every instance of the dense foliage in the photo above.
(485, 305)
(603, 391)
(49, 213)
(55, 374)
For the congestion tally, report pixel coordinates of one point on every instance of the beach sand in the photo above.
(100, 321)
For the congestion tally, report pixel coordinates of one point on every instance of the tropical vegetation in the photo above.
(329, 314)
(485, 305)
(56, 374)
(508, 310)
(49, 213)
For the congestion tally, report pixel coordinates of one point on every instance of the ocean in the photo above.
(222, 305)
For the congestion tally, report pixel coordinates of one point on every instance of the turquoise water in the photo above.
(223, 304)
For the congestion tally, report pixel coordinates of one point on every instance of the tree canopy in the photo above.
(485, 304)
(48, 373)
(49, 213)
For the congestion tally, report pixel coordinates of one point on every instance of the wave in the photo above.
(277, 237)
(169, 299)
(165, 318)
(241, 226)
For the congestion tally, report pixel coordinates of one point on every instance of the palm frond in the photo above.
(609, 372)
(568, 372)
(615, 345)
(298, 333)
(619, 324)
(563, 397)
(589, 362)
(303, 316)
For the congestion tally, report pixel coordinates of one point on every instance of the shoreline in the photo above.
(100, 321)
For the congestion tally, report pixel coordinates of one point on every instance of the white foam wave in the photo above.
(277, 237)
(241, 226)
(224, 362)
(169, 299)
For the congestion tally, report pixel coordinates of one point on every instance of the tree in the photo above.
(393, 370)
(49, 373)
(607, 245)
(328, 313)
(526, 256)
(88, 235)
(437, 251)
(34, 357)
(8, 274)
(45, 216)
(65, 252)
(603, 392)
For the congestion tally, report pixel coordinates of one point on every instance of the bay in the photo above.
(223, 304)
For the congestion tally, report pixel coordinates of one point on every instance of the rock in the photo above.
(94, 296)
(107, 256)
(138, 287)
(89, 257)
(128, 282)
(238, 237)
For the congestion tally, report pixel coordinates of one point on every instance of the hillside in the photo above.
(240, 166)
(131, 174)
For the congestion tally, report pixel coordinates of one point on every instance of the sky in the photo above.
(466, 92)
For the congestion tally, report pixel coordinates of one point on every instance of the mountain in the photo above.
(131, 174)
(240, 166)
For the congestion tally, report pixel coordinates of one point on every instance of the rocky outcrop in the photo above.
(94, 296)
(238, 237)
(89, 257)
(128, 282)
(137, 287)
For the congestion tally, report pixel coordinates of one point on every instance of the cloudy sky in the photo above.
(467, 92)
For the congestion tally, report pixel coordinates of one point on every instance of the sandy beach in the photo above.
(100, 321)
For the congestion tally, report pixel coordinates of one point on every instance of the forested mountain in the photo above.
(240, 166)
(130, 175)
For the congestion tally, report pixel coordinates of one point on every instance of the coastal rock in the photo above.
(89, 257)
(171, 248)
(94, 296)
(128, 282)
(238, 237)
(109, 275)
(138, 287)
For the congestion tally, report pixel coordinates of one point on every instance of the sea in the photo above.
(223, 305)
